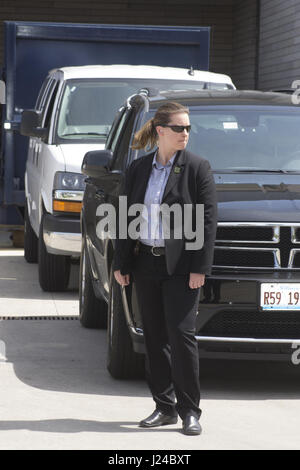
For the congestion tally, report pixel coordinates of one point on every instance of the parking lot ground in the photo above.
(57, 394)
(21, 295)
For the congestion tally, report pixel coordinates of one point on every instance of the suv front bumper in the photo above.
(231, 325)
(62, 235)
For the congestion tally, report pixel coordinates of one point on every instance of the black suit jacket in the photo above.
(191, 183)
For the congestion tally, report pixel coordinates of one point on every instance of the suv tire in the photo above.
(92, 311)
(54, 270)
(30, 239)
(122, 361)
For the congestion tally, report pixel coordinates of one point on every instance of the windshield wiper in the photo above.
(252, 170)
(84, 133)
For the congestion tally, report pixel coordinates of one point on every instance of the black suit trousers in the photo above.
(168, 308)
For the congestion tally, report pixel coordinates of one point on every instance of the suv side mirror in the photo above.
(30, 124)
(96, 163)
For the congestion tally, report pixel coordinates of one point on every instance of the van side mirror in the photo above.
(96, 163)
(30, 124)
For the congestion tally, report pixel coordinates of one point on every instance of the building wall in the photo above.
(279, 51)
(259, 48)
(214, 13)
(244, 43)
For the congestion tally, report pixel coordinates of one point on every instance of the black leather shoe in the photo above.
(157, 419)
(191, 426)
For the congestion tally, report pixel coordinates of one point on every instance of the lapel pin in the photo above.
(177, 169)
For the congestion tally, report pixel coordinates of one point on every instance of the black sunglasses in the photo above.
(178, 129)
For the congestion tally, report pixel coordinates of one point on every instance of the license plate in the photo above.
(280, 296)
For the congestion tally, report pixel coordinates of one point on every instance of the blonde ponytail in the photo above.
(145, 137)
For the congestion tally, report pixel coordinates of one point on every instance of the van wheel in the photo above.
(54, 270)
(92, 311)
(30, 239)
(122, 361)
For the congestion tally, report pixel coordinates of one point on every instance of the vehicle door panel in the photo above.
(31, 162)
(34, 166)
(106, 190)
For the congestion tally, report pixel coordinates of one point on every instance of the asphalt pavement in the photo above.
(57, 394)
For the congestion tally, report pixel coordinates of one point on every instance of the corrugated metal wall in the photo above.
(234, 30)
(214, 13)
(244, 44)
(279, 54)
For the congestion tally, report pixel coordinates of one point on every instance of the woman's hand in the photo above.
(196, 280)
(123, 280)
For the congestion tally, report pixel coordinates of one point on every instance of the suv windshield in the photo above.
(246, 138)
(88, 107)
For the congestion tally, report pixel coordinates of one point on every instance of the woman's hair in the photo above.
(146, 137)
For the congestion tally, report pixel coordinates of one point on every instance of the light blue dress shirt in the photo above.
(151, 232)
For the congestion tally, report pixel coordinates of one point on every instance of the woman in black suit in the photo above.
(168, 274)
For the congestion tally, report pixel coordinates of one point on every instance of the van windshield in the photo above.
(246, 138)
(88, 107)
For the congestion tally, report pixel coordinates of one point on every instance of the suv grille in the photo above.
(280, 325)
(245, 234)
(257, 246)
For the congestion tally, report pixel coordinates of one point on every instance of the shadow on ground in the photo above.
(60, 355)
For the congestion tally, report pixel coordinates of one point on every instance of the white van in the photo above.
(73, 115)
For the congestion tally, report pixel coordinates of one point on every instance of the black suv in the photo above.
(251, 302)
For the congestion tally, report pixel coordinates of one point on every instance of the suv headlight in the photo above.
(68, 191)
